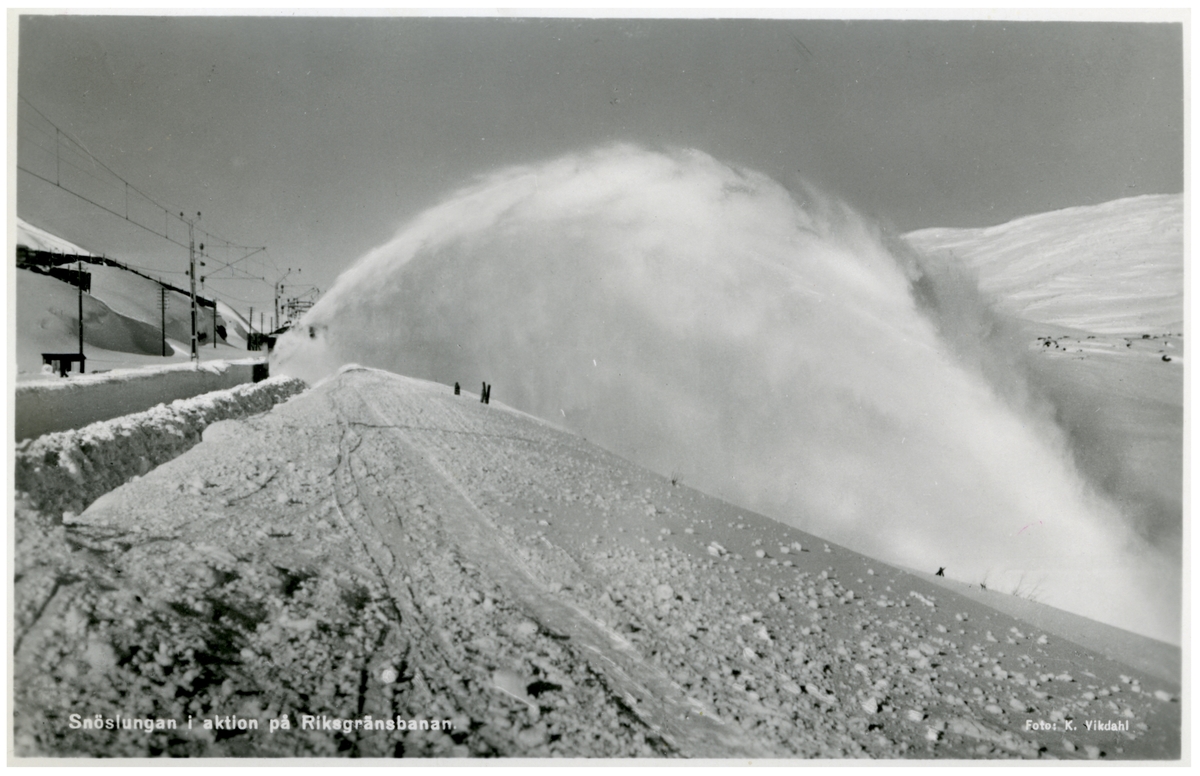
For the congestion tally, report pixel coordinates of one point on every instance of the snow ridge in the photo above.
(68, 470)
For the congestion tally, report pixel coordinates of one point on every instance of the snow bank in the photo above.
(140, 298)
(59, 404)
(71, 469)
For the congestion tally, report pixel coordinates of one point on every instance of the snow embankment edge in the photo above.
(47, 406)
(68, 470)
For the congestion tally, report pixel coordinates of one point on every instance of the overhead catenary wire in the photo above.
(70, 155)
(168, 238)
(82, 175)
(64, 141)
(170, 210)
(164, 235)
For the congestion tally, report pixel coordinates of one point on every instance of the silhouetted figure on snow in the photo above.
(941, 571)
(485, 395)
(457, 390)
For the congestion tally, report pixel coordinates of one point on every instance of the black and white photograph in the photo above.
(629, 386)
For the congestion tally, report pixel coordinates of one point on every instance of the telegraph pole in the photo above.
(192, 277)
(79, 278)
(214, 321)
(278, 290)
(163, 293)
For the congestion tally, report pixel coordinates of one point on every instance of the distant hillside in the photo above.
(1114, 268)
(1099, 292)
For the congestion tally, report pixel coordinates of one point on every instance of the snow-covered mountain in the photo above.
(1114, 268)
(1098, 293)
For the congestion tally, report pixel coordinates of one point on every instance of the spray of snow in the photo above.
(769, 345)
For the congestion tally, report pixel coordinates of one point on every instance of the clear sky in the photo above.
(320, 137)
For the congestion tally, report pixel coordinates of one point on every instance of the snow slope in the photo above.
(237, 329)
(122, 322)
(380, 549)
(140, 298)
(40, 240)
(123, 315)
(47, 322)
(1115, 268)
(135, 296)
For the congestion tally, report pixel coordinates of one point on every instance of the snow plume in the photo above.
(765, 344)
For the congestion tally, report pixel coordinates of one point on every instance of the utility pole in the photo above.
(192, 277)
(79, 278)
(214, 321)
(163, 293)
(278, 290)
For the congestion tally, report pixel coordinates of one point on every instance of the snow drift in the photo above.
(40, 240)
(770, 346)
(48, 321)
(140, 298)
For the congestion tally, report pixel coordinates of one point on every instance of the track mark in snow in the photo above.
(684, 721)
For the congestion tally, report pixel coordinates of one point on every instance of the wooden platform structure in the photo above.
(63, 361)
